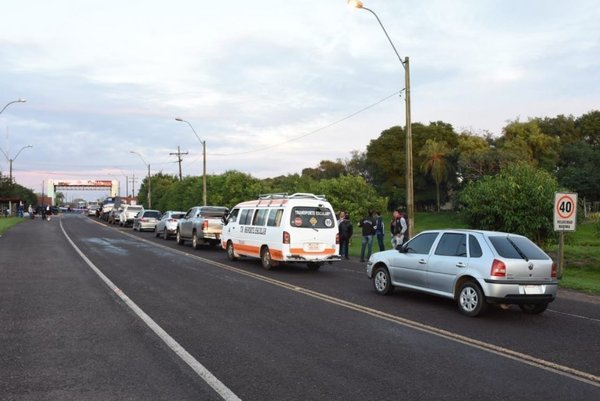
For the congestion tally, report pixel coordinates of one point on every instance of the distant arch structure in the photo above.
(79, 185)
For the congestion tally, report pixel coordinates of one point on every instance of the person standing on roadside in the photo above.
(368, 230)
(345, 230)
(379, 231)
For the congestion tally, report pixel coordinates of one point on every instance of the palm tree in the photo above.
(435, 163)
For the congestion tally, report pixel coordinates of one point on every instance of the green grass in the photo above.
(6, 223)
(582, 258)
(582, 248)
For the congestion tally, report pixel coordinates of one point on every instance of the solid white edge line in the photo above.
(204, 373)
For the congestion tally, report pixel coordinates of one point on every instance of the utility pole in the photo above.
(179, 160)
(133, 181)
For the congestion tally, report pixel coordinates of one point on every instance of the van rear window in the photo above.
(312, 217)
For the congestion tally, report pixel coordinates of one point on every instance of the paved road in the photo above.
(286, 334)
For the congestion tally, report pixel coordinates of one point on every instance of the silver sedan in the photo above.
(167, 225)
(146, 220)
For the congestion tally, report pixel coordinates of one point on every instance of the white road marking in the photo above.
(556, 368)
(204, 373)
(573, 315)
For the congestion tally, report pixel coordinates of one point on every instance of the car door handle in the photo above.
(422, 261)
(461, 264)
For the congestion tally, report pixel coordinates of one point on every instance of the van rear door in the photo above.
(313, 231)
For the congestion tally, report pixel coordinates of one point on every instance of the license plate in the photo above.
(312, 246)
(532, 289)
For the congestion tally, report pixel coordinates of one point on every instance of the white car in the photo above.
(128, 214)
(167, 225)
(472, 267)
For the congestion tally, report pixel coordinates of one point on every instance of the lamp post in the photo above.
(409, 158)
(14, 101)
(10, 161)
(149, 181)
(203, 159)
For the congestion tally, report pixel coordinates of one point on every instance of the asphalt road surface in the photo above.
(93, 312)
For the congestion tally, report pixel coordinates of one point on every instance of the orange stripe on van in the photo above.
(301, 251)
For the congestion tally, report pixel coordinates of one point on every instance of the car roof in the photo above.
(487, 233)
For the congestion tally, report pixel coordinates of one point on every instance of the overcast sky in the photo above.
(262, 81)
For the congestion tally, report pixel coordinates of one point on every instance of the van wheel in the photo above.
(533, 309)
(179, 240)
(471, 301)
(231, 251)
(265, 257)
(382, 281)
(195, 243)
(314, 266)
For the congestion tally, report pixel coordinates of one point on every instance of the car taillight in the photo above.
(286, 237)
(554, 273)
(337, 239)
(205, 224)
(498, 268)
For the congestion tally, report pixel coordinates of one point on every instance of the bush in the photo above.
(518, 200)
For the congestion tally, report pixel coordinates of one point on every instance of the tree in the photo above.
(435, 163)
(327, 169)
(579, 169)
(589, 127)
(518, 200)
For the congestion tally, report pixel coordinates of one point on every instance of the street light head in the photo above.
(21, 100)
(178, 119)
(355, 3)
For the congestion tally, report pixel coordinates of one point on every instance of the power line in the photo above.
(311, 132)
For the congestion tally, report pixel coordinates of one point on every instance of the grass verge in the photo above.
(6, 223)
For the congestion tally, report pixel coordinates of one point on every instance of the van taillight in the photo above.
(205, 224)
(337, 239)
(498, 268)
(286, 237)
(554, 273)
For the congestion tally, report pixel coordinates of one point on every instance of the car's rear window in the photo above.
(177, 215)
(152, 214)
(517, 248)
(312, 217)
(213, 213)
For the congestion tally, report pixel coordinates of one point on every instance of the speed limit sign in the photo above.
(565, 211)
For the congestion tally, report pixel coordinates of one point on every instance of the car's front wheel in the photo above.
(471, 301)
(156, 232)
(178, 238)
(533, 309)
(382, 281)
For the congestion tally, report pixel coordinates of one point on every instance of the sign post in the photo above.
(565, 219)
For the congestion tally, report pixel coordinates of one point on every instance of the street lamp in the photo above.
(203, 159)
(409, 158)
(149, 181)
(14, 101)
(10, 161)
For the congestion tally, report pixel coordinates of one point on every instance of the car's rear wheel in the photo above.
(533, 309)
(231, 251)
(471, 301)
(382, 281)
(165, 234)
(195, 242)
(266, 260)
(314, 266)
(178, 238)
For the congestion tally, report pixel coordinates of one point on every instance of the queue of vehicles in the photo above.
(475, 268)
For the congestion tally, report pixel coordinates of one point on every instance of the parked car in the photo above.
(201, 224)
(127, 214)
(92, 210)
(167, 224)
(113, 215)
(472, 267)
(146, 220)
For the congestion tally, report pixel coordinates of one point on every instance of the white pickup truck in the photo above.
(202, 225)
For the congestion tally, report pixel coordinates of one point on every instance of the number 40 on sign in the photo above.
(565, 211)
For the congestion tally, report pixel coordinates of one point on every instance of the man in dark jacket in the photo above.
(368, 230)
(345, 231)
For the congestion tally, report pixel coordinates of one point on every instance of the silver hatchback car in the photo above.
(472, 267)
